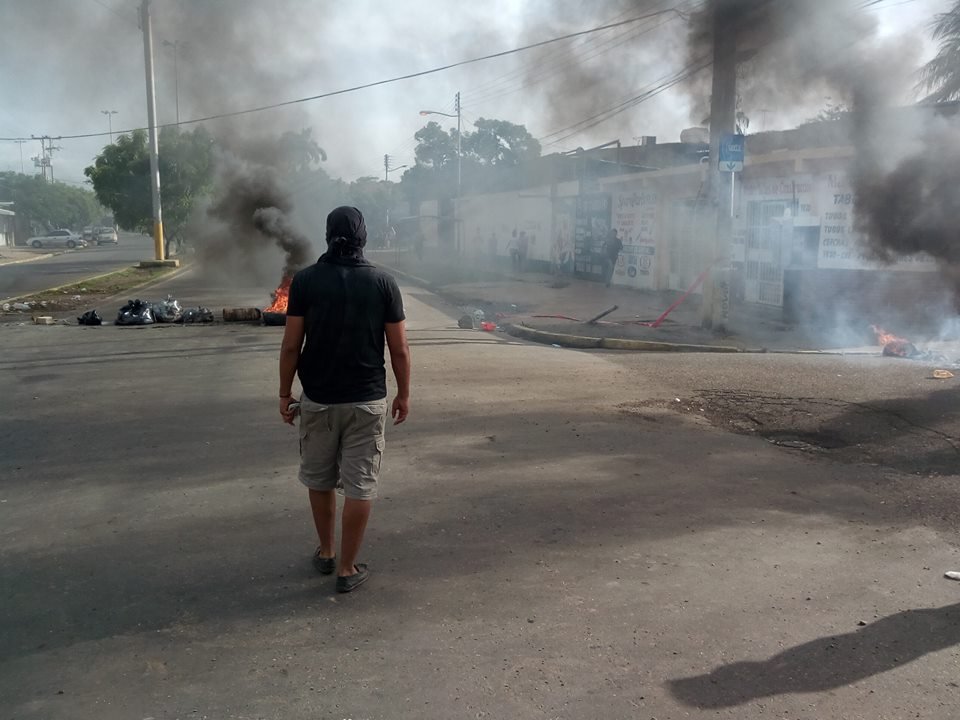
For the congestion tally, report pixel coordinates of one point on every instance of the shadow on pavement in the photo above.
(826, 663)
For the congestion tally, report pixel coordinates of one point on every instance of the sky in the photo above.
(65, 61)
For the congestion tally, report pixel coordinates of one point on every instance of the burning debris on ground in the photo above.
(276, 313)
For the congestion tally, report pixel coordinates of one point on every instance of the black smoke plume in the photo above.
(251, 211)
(906, 168)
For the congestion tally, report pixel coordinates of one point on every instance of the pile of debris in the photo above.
(142, 312)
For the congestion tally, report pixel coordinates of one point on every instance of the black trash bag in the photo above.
(167, 311)
(136, 312)
(465, 322)
(90, 317)
(196, 315)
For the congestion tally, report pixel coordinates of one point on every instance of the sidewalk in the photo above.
(16, 255)
(564, 305)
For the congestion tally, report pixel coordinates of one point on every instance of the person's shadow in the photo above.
(826, 663)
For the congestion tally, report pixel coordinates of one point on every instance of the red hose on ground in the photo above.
(679, 301)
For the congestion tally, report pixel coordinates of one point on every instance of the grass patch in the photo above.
(86, 293)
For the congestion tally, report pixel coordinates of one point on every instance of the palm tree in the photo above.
(941, 76)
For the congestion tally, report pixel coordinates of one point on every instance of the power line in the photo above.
(662, 85)
(547, 68)
(665, 84)
(378, 83)
(517, 73)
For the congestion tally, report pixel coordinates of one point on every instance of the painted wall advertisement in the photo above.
(842, 247)
(635, 219)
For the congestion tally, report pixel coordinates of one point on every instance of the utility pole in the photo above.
(44, 160)
(20, 142)
(456, 207)
(110, 114)
(388, 168)
(152, 124)
(723, 118)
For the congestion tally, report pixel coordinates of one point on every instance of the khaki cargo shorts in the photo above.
(342, 445)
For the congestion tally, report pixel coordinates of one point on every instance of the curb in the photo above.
(33, 258)
(97, 277)
(580, 342)
(150, 283)
(583, 342)
(418, 280)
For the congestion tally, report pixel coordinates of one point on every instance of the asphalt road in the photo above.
(68, 267)
(551, 540)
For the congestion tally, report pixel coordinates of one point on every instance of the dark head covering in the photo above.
(346, 236)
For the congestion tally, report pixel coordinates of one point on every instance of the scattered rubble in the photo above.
(196, 315)
(91, 317)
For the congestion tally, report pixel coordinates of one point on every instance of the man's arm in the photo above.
(400, 361)
(290, 348)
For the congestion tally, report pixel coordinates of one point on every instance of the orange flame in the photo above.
(893, 345)
(280, 297)
(884, 337)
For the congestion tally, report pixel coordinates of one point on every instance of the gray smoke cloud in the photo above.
(581, 78)
(231, 66)
(250, 212)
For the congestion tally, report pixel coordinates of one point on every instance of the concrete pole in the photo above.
(152, 124)
(456, 209)
(723, 112)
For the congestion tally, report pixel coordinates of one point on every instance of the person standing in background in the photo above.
(611, 249)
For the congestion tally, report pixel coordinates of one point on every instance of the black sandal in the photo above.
(324, 566)
(349, 583)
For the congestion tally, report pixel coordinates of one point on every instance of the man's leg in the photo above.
(323, 503)
(362, 449)
(353, 525)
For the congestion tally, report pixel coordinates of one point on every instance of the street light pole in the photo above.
(152, 123)
(110, 114)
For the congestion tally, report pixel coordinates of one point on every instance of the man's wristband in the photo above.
(288, 395)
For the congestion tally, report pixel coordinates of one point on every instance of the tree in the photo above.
(492, 155)
(435, 146)
(499, 143)
(941, 76)
(299, 152)
(42, 205)
(121, 179)
(829, 113)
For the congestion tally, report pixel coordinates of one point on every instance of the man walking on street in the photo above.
(611, 248)
(340, 312)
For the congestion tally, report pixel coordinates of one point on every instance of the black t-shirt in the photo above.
(613, 247)
(345, 308)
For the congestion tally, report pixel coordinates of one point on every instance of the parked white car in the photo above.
(57, 238)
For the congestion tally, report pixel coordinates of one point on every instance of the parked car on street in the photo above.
(57, 238)
(104, 235)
